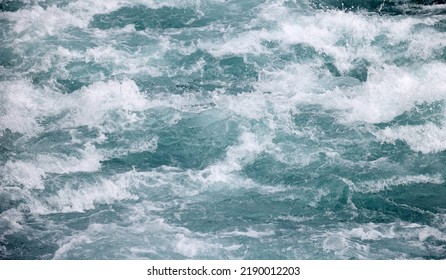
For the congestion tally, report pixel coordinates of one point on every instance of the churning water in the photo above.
(222, 129)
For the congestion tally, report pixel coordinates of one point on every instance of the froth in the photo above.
(21, 106)
(92, 104)
(37, 21)
(251, 233)
(357, 241)
(374, 231)
(426, 138)
(385, 184)
(30, 174)
(147, 231)
(188, 247)
(388, 92)
(80, 198)
(24, 105)
(236, 157)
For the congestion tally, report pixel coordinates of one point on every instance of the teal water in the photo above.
(258, 129)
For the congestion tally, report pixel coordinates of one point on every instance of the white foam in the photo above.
(74, 242)
(150, 146)
(388, 92)
(30, 174)
(375, 186)
(426, 138)
(370, 233)
(430, 232)
(91, 105)
(251, 233)
(144, 231)
(337, 244)
(23, 173)
(236, 157)
(36, 21)
(188, 247)
(21, 106)
(24, 106)
(397, 230)
(82, 197)
(346, 242)
(347, 37)
(291, 83)
(89, 161)
(85, 237)
(246, 43)
(95, 7)
(296, 219)
(325, 30)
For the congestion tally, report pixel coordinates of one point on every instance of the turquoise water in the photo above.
(188, 129)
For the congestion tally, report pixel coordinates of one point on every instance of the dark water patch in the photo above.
(236, 66)
(69, 86)
(266, 170)
(394, 152)
(8, 58)
(32, 245)
(140, 161)
(8, 146)
(429, 197)
(407, 203)
(443, 54)
(238, 75)
(193, 142)
(220, 212)
(304, 52)
(440, 25)
(271, 44)
(41, 78)
(201, 72)
(386, 7)
(143, 17)
(360, 70)
(8, 202)
(85, 72)
(354, 5)
(161, 84)
(397, 52)
(329, 64)
(77, 221)
(426, 164)
(188, 61)
(11, 5)
(50, 78)
(324, 121)
(55, 141)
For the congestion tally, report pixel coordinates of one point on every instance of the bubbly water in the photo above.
(222, 129)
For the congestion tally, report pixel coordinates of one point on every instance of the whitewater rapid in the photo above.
(261, 129)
